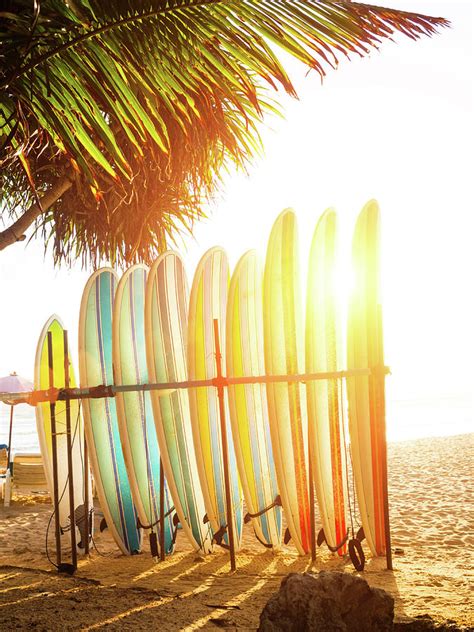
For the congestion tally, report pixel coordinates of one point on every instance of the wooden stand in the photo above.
(312, 516)
(86, 497)
(377, 375)
(162, 513)
(54, 451)
(70, 468)
(220, 383)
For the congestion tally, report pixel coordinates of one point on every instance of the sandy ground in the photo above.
(431, 493)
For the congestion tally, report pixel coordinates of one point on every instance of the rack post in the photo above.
(379, 383)
(312, 516)
(54, 454)
(70, 469)
(162, 513)
(86, 497)
(380, 379)
(225, 454)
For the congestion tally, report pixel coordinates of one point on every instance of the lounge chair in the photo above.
(3, 459)
(28, 474)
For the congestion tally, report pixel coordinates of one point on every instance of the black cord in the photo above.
(95, 547)
(50, 519)
(61, 497)
(343, 424)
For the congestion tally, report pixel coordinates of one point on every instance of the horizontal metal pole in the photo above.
(166, 388)
(305, 377)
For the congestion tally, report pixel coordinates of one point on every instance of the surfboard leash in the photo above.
(356, 552)
(64, 567)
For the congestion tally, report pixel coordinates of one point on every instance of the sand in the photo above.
(431, 493)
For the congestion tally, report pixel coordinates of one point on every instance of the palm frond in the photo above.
(145, 101)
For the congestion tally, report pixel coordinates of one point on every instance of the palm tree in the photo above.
(116, 118)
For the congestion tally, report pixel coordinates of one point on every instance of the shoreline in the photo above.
(432, 536)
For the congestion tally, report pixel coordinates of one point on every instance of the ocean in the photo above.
(409, 419)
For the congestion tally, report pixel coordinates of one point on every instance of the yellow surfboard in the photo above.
(55, 327)
(208, 302)
(284, 355)
(366, 393)
(324, 414)
(166, 312)
(248, 402)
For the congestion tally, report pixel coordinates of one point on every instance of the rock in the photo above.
(327, 602)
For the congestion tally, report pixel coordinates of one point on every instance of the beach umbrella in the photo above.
(12, 383)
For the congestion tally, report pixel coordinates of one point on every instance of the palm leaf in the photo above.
(148, 100)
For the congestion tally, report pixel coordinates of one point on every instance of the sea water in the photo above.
(24, 434)
(406, 419)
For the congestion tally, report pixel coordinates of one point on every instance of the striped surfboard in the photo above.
(248, 402)
(100, 415)
(166, 311)
(366, 393)
(284, 355)
(323, 396)
(208, 302)
(134, 409)
(43, 424)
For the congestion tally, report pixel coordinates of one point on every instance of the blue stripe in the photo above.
(105, 291)
(137, 282)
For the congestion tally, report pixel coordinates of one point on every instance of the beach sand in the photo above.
(432, 519)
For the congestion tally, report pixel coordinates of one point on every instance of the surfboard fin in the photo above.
(287, 536)
(103, 525)
(321, 537)
(176, 525)
(205, 520)
(154, 545)
(356, 553)
(219, 535)
(79, 517)
(360, 534)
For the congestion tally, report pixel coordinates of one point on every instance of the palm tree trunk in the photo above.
(16, 231)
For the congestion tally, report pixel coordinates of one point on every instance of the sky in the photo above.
(397, 127)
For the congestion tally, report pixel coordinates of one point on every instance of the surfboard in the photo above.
(208, 302)
(248, 402)
(366, 393)
(100, 415)
(326, 439)
(134, 408)
(43, 424)
(166, 313)
(283, 350)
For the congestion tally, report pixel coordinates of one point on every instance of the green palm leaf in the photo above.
(141, 104)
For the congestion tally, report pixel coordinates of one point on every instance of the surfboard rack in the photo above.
(53, 395)
(334, 549)
(265, 544)
(220, 382)
(157, 522)
(276, 503)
